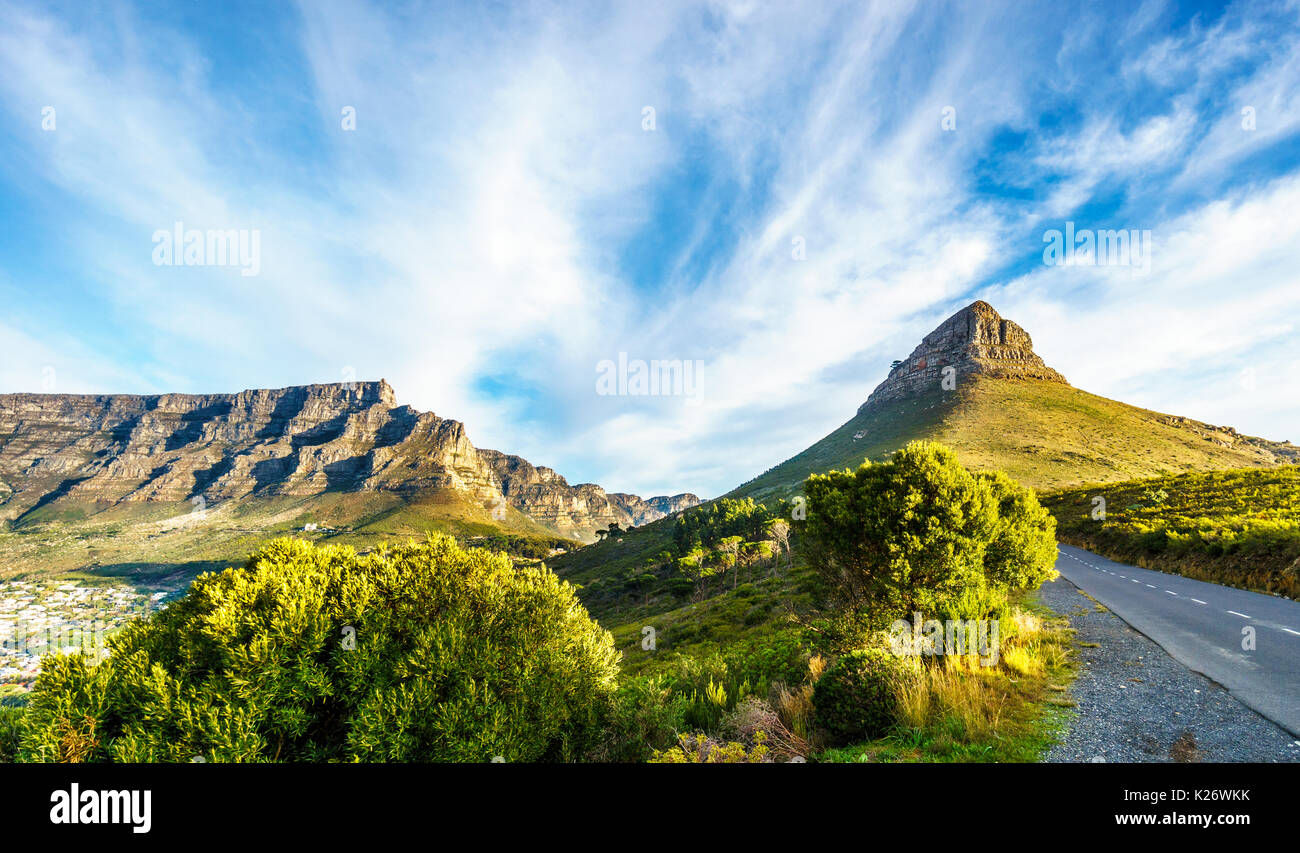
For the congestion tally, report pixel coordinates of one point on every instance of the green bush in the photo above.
(1240, 527)
(898, 536)
(10, 720)
(425, 652)
(920, 533)
(854, 700)
(1022, 551)
(646, 716)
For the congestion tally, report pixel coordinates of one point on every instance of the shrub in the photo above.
(920, 532)
(1022, 551)
(424, 652)
(855, 700)
(701, 749)
(902, 535)
(755, 722)
(10, 722)
(645, 717)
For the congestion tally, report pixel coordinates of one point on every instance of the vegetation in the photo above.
(921, 533)
(1240, 528)
(416, 653)
(738, 642)
(1043, 435)
(86, 542)
(731, 662)
(698, 749)
(857, 699)
(10, 731)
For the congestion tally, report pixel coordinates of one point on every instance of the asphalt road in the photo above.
(1202, 625)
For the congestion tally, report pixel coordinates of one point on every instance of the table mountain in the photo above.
(60, 449)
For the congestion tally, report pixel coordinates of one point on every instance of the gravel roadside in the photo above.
(1136, 703)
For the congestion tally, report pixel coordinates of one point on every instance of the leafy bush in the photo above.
(10, 721)
(1022, 551)
(424, 652)
(901, 535)
(701, 749)
(646, 717)
(920, 532)
(855, 699)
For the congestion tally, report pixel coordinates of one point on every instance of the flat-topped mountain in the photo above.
(976, 384)
(62, 449)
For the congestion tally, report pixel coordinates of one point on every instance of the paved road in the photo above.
(1201, 625)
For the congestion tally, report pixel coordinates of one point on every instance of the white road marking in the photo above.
(1242, 615)
(1289, 631)
(1171, 592)
(1198, 601)
(1151, 586)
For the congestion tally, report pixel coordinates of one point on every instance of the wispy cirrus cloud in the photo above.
(502, 218)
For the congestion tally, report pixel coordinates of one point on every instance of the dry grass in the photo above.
(955, 702)
(77, 740)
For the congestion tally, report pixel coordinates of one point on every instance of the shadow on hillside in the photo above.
(170, 576)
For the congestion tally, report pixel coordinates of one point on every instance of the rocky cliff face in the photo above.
(304, 440)
(547, 497)
(975, 340)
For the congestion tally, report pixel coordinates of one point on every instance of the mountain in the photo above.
(75, 456)
(976, 384)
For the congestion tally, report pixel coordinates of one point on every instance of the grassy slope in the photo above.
(166, 545)
(1240, 527)
(1047, 436)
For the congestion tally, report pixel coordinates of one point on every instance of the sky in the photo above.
(490, 204)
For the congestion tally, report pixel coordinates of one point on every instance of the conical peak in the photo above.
(976, 340)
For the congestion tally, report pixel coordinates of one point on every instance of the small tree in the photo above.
(729, 549)
(753, 553)
(778, 532)
(693, 567)
(901, 535)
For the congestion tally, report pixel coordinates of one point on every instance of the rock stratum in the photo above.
(974, 341)
(300, 441)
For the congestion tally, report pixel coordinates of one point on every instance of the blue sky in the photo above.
(501, 219)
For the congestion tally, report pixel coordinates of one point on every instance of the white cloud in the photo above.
(470, 228)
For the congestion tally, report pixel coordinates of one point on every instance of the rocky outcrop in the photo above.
(975, 340)
(547, 497)
(304, 440)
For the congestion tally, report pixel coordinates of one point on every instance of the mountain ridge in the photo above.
(302, 440)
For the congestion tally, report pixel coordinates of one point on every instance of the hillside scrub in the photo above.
(422, 652)
(1240, 528)
(920, 533)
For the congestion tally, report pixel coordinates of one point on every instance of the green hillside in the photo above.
(166, 544)
(1044, 434)
(1240, 528)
